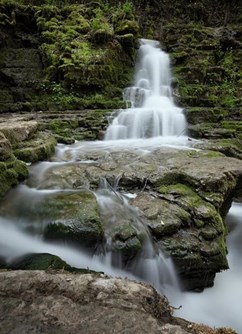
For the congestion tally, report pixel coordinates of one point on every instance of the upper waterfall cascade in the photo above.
(152, 111)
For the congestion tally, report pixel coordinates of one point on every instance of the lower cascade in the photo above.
(152, 111)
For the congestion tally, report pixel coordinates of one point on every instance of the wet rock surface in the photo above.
(182, 197)
(60, 302)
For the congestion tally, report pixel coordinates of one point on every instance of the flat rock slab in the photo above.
(17, 129)
(42, 302)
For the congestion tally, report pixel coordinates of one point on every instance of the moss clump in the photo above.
(202, 212)
(63, 127)
(72, 217)
(11, 173)
(36, 149)
(125, 241)
(229, 147)
(43, 261)
(39, 262)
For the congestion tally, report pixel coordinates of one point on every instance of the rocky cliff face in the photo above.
(80, 56)
(65, 57)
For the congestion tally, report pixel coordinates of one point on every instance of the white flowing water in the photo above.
(151, 265)
(14, 243)
(153, 112)
(21, 234)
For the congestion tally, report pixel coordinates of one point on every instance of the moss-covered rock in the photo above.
(60, 56)
(163, 217)
(229, 147)
(41, 147)
(187, 227)
(5, 148)
(18, 129)
(44, 261)
(72, 217)
(125, 240)
(39, 262)
(12, 172)
(75, 52)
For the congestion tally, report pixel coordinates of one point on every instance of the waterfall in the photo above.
(151, 120)
(153, 112)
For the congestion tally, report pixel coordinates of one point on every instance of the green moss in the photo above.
(11, 173)
(44, 261)
(213, 154)
(235, 125)
(73, 217)
(74, 50)
(40, 262)
(62, 127)
(80, 53)
(101, 29)
(202, 212)
(230, 147)
(209, 233)
(37, 149)
(21, 170)
(127, 27)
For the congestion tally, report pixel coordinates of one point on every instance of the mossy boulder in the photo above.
(229, 147)
(189, 229)
(5, 148)
(72, 218)
(41, 147)
(12, 172)
(197, 260)
(162, 217)
(41, 261)
(44, 261)
(18, 129)
(125, 240)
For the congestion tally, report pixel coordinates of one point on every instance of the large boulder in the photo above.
(69, 217)
(51, 302)
(182, 197)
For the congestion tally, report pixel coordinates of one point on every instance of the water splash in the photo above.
(15, 243)
(153, 112)
(150, 264)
